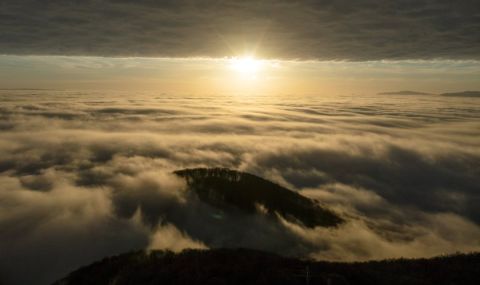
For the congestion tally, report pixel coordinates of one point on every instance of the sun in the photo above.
(246, 65)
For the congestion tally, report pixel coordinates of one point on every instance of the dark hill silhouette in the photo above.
(225, 188)
(242, 266)
(463, 94)
(405, 92)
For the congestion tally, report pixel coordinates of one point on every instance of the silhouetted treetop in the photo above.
(224, 188)
(243, 266)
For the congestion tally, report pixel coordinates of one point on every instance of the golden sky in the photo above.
(237, 75)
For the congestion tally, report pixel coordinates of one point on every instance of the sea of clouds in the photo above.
(84, 175)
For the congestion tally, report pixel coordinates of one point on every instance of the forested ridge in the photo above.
(225, 188)
(244, 266)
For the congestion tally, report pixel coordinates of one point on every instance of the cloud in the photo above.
(74, 189)
(326, 30)
(399, 173)
(44, 233)
(170, 238)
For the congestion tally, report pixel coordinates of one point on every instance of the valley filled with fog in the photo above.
(87, 174)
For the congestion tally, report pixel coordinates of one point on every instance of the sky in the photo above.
(184, 47)
(101, 100)
(326, 29)
(202, 76)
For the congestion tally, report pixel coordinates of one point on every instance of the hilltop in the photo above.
(226, 189)
(463, 94)
(243, 266)
(404, 92)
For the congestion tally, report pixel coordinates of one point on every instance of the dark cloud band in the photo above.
(327, 29)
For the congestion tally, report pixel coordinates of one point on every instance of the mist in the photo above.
(86, 175)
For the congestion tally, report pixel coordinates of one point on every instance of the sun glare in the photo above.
(247, 65)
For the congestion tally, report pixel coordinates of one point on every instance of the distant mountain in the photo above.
(406, 92)
(227, 189)
(463, 94)
(242, 266)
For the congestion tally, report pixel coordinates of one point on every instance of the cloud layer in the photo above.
(327, 29)
(87, 174)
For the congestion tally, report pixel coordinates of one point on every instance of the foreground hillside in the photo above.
(242, 266)
(226, 189)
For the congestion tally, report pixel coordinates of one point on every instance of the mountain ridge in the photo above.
(471, 94)
(224, 188)
(246, 266)
(404, 92)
